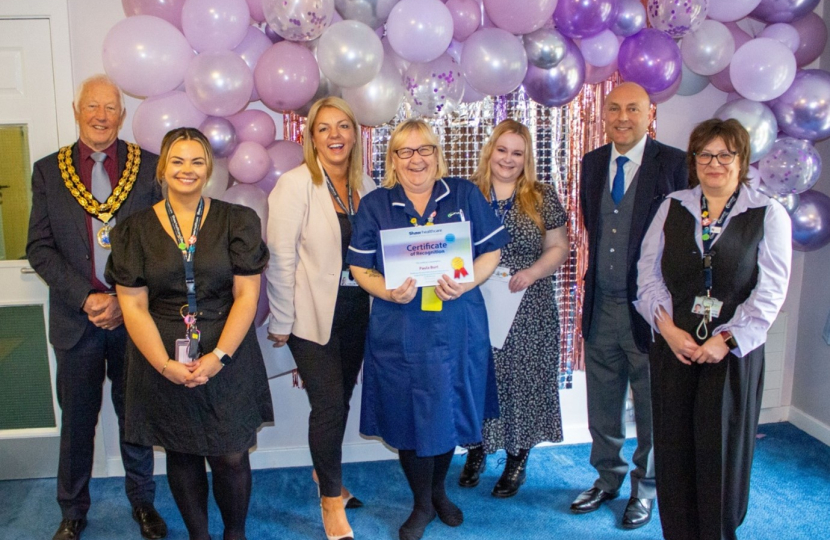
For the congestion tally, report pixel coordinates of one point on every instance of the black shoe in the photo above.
(591, 500)
(70, 529)
(476, 462)
(637, 513)
(351, 502)
(152, 525)
(513, 476)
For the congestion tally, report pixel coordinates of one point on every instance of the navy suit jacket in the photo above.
(663, 171)
(58, 247)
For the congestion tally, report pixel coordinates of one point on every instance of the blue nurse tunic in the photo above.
(426, 374)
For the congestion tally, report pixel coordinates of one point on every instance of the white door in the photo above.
(29, 415)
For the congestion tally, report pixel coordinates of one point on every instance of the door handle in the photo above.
(28, 270)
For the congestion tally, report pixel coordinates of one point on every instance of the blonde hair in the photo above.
(396, 140)
(355, 171)
(528, 189)
(183, 134)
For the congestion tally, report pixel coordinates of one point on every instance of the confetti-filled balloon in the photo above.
(792, 166)
(434, 88)
(677, 17)
(298, 20)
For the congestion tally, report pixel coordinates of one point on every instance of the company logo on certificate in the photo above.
(427, 253)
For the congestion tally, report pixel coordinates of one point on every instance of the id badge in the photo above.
(430, 300)
(182, 346)
(707, 305)
(346, 279)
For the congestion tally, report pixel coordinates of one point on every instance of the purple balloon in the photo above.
(792, 166)
(662, 97)
(219, 83)
(559, 85)
(783, 32)
(601, 49)
(651, 59)
(419, 30)
(775, 11)
(520, 17)
(813, 33)
(211, 25)
(594, 74)
(255, 126)
(169, 10)
(145, 55)
(811, 221)
(466, 17)
(157, 115)
(731, 10)
(221, 134)
(583, 18)
(762, 69)
(286, 76)
(249, 162)
(272, 35)
(803, 111)
(285, 155)
(494, 61)
(631, 18)
(252, 197)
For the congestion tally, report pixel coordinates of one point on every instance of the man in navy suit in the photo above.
(68, 247)
(622, 184)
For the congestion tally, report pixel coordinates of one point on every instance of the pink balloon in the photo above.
(813, 33)
(157, 115)
(219, 83)
(145, 55)
(520, 17)
(169, 10)
(219, 181)
(255, 7)
(594, 74)
(466, 17)
(285, 155)
(215, 24)
(420, 30)
(286, 76)
(252, 197)
(255, 126)
(249, 162)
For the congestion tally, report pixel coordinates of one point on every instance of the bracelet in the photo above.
(165, 366)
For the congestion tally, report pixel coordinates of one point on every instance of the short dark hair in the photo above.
(183, 134)
(734, 136)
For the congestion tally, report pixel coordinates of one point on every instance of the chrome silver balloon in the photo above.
(545, 47)
(758, 120)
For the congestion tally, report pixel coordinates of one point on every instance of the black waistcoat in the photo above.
(734, 264)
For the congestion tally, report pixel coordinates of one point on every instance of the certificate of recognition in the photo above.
(427, 253)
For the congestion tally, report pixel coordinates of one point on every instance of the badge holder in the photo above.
(430, 300)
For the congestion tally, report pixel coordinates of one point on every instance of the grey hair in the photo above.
(95, 79)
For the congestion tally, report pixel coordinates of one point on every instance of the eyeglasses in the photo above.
(724, 158)
(425, 150)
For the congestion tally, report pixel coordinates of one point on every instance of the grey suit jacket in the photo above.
(663, 171)
(58, 246)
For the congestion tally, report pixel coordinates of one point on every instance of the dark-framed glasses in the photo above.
(425, 150)
(724, 158)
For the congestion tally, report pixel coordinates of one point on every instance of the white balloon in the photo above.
(377, 102)
(349, 53)
(601, 49)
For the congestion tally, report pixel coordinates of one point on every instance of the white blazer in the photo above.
(303, 274)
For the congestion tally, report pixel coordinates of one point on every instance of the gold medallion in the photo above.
(104, 237)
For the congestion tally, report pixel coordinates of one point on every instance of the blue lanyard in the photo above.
(710, 231)
(350, 210)
(494, 202)
(188, 249)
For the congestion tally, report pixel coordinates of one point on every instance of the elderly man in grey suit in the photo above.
(78, 194)
(622, 184)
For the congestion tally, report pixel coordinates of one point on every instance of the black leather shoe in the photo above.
(476, 462)
(513, 476)
(591, 500)
(637, 513)
(70, 529)
(152, 525)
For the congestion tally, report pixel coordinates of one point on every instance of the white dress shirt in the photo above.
(635, 159)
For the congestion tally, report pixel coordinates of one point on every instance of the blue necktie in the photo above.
(618, 187)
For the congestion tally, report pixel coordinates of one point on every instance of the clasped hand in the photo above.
(686, 349)
(195, 373)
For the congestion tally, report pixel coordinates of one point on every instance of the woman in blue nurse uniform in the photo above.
(427, 372)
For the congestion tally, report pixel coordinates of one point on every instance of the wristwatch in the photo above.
(729, 339)
(223, 357)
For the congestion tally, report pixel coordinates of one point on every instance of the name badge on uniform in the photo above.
(707, 306)
(346, 279)
(182, 346)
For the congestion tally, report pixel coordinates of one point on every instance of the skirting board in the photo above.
(809, 425)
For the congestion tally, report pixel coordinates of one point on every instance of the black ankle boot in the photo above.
(476, 462)
(513, 476)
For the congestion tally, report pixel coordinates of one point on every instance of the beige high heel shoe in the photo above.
(347, 536)
(349, 501)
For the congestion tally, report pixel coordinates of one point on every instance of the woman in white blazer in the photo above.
(316, 307)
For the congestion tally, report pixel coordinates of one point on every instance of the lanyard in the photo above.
(350, 210)
(501, 214)
(188, 250)
(710, 231)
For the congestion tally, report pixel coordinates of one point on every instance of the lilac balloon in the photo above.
(169, 10)
(157, 115)
(709, 49)
(774, 11)
(559, 85)
(471, 95)
(803, 111)
(691, 83)
(757, 119)
(249, 162)
(252, 197)
(219, 83)
(349, 53)
(677, 17)
(221, 134)
(651, 59)
(145, 55)
(594, 74)
(519, 17)
(789, 201)
(434, 88)
(762, 69)
(583, 18)
(252, 46)
(298, 20)
(420, 30)
(255, 126)
(792, 166)
(273, 36)
(631, 18)
(377, 101)
(812, 32)
(783, 32)
(466, 17)
(219, 181)
(211, 25)
(285, 155)
(721, 80)
(286, 76)
(601, 49)
(811, 221)
(494, 61)
(388, 52)
(255, 7)
(731, 10)
(662, 97)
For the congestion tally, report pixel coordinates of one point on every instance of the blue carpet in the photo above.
(789, 500)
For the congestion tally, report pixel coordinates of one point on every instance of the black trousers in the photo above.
(705, 421)
(80, 380)
(329, 373)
